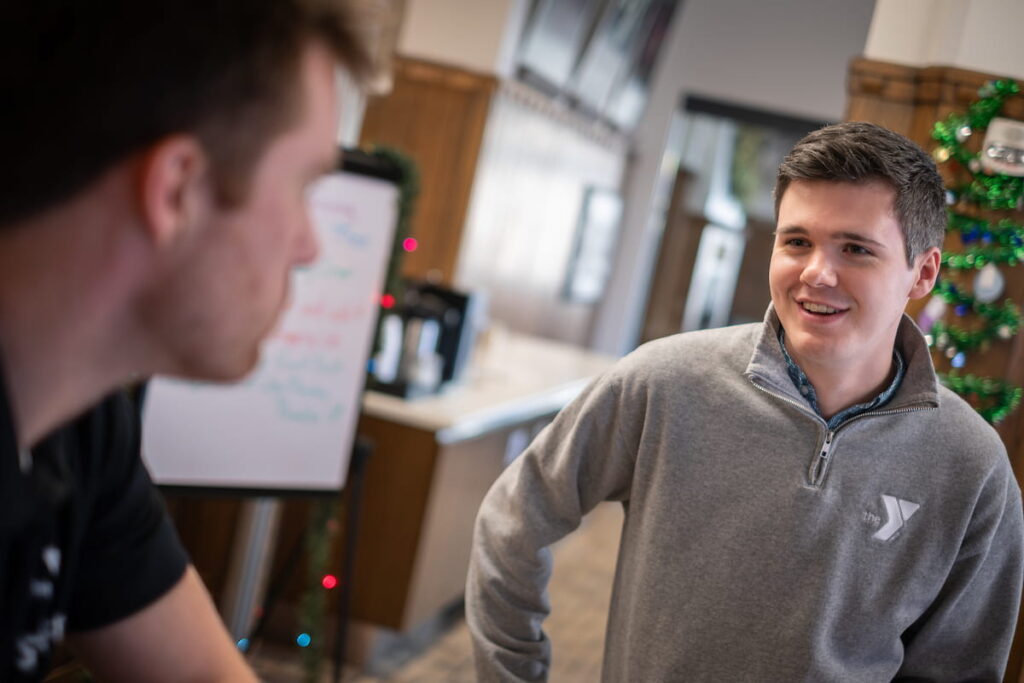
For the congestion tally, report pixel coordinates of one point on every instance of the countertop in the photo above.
(511, 378)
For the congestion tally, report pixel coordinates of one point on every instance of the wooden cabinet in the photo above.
(435, 114)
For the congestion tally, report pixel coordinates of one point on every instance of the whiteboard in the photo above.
(289, 426)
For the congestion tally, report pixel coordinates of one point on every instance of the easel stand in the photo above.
(252, 559)
(250, 563)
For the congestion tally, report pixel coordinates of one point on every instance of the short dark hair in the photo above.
(863, 152)
(86, 84)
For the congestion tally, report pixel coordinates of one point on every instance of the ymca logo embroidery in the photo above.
(897, 511)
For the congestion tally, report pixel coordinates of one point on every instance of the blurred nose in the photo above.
(818, 270)
(307, 246)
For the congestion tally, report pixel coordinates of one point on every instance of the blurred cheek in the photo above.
(307, 244)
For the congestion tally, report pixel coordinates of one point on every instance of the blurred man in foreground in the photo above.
(156, 160)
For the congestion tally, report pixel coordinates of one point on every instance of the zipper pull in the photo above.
(822, 462)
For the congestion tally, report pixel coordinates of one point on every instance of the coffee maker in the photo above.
(425, 340)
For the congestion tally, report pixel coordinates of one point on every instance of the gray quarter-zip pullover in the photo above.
(758, 544)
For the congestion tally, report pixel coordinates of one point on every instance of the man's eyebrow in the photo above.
(845, 235)
(792, 230)
(857, 237)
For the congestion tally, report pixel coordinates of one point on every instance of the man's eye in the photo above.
(796, 242)
(858, 249)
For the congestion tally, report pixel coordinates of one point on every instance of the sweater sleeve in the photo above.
(580, 460)
(967, 631)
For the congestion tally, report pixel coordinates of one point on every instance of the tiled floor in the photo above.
(580, 593)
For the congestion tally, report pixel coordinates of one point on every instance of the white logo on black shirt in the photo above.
(50, 629)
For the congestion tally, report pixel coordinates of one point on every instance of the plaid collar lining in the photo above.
(806, 389)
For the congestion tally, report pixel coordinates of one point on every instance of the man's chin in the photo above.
(222, 370)
(245, 366)
(811, 347)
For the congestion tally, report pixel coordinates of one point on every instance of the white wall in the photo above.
(535, 167)
(786, 56)
(479, 35)
(982, 35)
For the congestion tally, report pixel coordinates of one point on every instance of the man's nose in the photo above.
(819, 271)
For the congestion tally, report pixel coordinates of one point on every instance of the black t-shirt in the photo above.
(84, 537)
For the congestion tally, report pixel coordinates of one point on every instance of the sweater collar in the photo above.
(768, 367)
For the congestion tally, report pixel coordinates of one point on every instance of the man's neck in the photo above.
(65, 338)
(839, 386)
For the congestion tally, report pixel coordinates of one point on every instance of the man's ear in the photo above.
(172, 186)
(927, 270)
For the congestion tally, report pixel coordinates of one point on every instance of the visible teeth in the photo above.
(819, 308)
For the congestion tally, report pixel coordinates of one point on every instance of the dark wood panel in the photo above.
(398, 481)
(674, 269)
(436, 114)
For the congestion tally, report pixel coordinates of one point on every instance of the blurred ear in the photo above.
(172, 186)
(927, 269)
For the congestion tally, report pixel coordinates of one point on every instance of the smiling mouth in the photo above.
(820, 309)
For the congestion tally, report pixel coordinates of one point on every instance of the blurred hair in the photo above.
(863, 152)
(87, 84)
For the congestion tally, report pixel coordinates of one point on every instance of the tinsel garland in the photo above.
(999, 192)
(1001, 242)
(313, 605)
(952, 339)
(979, 257)
(408, 191)
(986, 243)
(993, 399)
(1002, 321)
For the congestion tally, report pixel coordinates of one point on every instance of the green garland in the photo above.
(1001, 243)
(995, 399)
(1001, 322)
(408, 191)
(979, 257)
(312, 615)
(953, 339)
(999, 192)
(1004, 232)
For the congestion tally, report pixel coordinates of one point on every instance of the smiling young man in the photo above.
(803, 501)
(157, 160)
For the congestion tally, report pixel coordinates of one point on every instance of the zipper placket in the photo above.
(819, 466)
